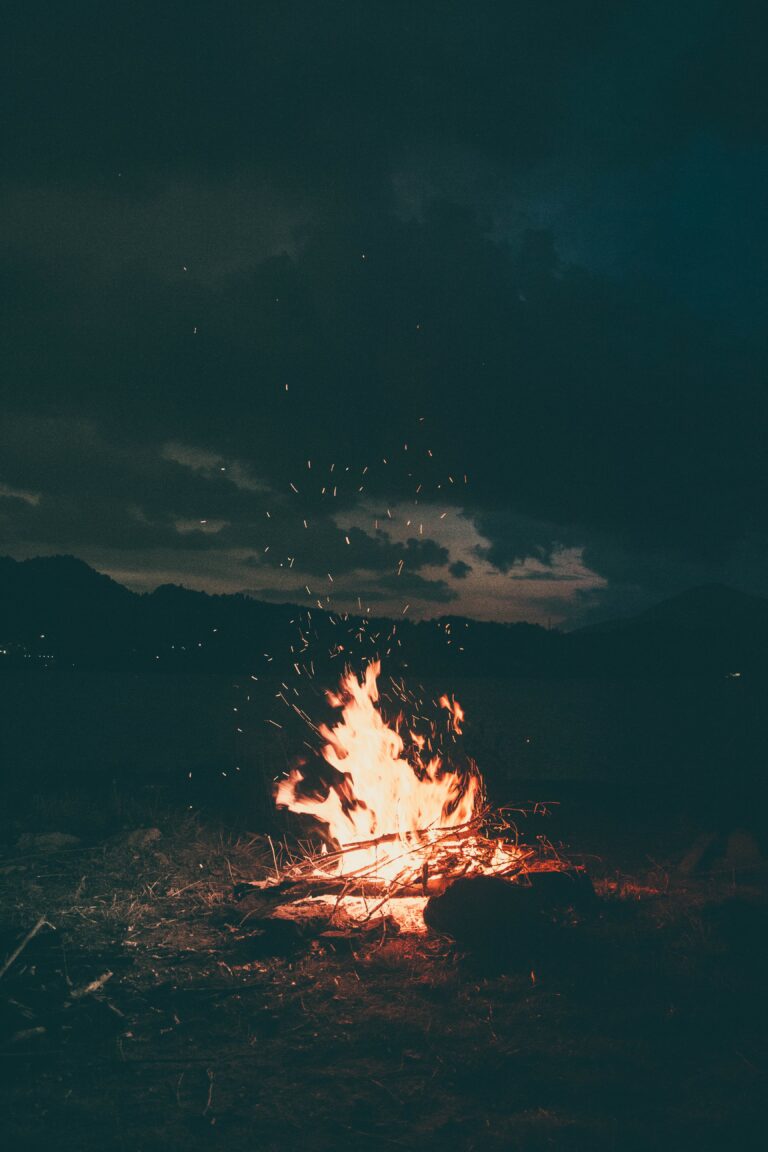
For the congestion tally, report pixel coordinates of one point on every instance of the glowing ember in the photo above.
(396, 813)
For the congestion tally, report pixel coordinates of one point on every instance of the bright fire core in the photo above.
(386, 803)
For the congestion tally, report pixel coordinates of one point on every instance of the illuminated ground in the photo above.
(643, 1028)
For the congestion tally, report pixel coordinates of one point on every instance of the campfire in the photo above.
(399, 813)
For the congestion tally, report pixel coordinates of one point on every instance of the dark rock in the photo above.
(560, 890)
(491, 914)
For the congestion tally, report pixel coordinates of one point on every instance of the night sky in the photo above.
(475, 290)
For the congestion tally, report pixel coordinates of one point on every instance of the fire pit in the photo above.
(396, 819)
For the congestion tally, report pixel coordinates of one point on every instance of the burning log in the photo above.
(312, 885)
(418, 863)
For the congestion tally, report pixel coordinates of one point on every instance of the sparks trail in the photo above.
(345, 478)
(347, 486)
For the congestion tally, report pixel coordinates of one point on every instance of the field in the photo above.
(152, 1010)
(160, 727)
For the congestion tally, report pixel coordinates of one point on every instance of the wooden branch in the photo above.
(94, 986)
(41, 923)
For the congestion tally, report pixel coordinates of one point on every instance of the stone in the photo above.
(491, 914)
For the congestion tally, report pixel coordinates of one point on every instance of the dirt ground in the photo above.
(151, 1011)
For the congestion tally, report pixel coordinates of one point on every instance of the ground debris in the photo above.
(28, 936)
(91, 987)
(341, 1033)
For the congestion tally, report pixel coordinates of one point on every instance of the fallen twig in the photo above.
(209, 1101)
(41, 923)
(94, 986)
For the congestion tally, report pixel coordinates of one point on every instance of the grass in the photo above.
(643, 1028)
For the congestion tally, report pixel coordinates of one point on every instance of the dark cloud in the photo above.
(323, 547)
(67, 484)
(516, 538)
(292, 239)
(459, 570)
(313, 89)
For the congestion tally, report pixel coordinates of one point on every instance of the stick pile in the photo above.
(425, 862)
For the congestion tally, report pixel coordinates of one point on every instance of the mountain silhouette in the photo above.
(711, 627)
(708, 607)
(59, 610)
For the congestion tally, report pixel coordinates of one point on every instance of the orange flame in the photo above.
(377, 791)
(456, 711)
